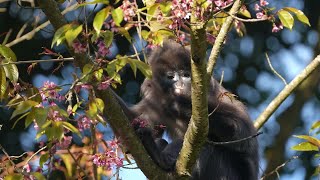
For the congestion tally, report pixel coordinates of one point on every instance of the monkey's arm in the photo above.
(164, 154)
(127, 110)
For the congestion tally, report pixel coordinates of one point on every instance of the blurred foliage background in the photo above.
(242, 61)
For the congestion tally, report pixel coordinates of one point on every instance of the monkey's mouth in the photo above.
(178, 90)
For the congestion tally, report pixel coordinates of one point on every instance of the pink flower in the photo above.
(104, 85)
(276, 28)
(263, 3)
(129, 10)
(49, 91)
(261, 15)
(102, 49)
(107, 160)
(65, 142)
(256, 7)
(79, 47)
(84, 123)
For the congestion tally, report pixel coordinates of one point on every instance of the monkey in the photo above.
(166, 100)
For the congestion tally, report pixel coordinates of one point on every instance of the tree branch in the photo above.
(275, 103)
(116, 118)
(221, 37)
(197, 131)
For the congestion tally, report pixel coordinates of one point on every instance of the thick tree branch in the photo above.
(197, 131)
(221, 37)
(116, 117)
(264, 116)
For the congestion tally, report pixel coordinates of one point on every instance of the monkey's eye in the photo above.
(186, 74)
(170, 75)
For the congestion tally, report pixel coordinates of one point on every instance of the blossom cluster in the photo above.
(108, 160)
(84, 122)
(103, 50)
(49, 92)
(79, 47)
(129, 10)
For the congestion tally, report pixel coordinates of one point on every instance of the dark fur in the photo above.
(228, 122)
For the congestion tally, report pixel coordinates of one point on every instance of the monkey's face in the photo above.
(179, 82)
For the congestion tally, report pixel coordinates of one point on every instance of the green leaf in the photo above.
(23, 107)
(43, 158)
(124, 33)
(107, 38)
(100, 18)
(73, 33)
(310, 139)
(144, 68)
(14, 176)
(151, 11)
(245, 13)
(165, 7)
(94, 2)
(100, 104)
(315, 125)
(92, 110)
(38, 114)
(71, 128)
(59, 35)
(286, 18)
(11, 71)
(21, 117)
(38, 176)
(133, 66)
(3, 82)
(300, 15)
(7, 53)
(145, 34)
(305, 146)
(117, 16)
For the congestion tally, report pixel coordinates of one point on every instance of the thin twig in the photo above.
(75, 161)
(30, 34)
(235, 141)
(39, 61)
(274, 71)
(34, 154)
(275, 103)
(277, 168)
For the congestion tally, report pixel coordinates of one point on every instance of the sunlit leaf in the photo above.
(7, 53)
(117, 16)
(38, 176)
(100, 104)
(315, 125)
(245, 13)
(144, 68)
(14, 176)
(71, 128)
(3, 83)
(69, 162)
(59, 35)
(300, 15)
(151, 11)
(11, 71)
(43, 158)
(165, 7)
(286, 18)
(305, 146)
(93, 109)
(38, 114)
(94, 2)
(73, 33)
(100, 18)
(125, 33)
(310, 139)
(107, 38)
(23, 107)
